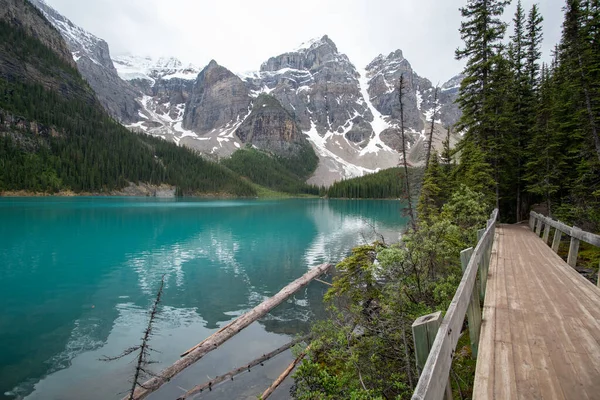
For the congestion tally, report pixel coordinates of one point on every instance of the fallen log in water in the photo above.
(232, 373)
(225, 333)
(284, 375)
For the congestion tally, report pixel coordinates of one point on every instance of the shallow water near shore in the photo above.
(78, 276)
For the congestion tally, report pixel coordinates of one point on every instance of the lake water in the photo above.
(78, 275)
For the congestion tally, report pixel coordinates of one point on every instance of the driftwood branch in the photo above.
(284, 375)
(228, 331)
(210, 384)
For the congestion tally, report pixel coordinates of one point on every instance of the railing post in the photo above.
(531, 221)
(573, 249)
(556, 241)
(546, 233)
(424, 331)
(474, 309)
(538, 227)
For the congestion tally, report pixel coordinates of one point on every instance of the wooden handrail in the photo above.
(537, 220)
(572, 231)
(434, 377)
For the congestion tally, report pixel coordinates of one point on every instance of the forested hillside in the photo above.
(54, 135)
(386, 184)
(286, 175)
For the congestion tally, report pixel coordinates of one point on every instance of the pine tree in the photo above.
(482, 32)
(520, 98)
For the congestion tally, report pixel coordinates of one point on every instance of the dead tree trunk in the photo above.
(401, 85)
(210, 384)
(284, 375)
(430, 141)
(222, 335)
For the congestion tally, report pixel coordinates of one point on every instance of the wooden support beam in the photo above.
(474, 310)
(573, 249)
(424, 331)
(556, 241)
(546, 233)
(222, 335)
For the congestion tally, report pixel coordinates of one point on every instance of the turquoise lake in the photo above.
(78, 275)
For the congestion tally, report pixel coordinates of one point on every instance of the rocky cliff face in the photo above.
(318, 84)
(219, 98)
(14, 66)
(271, 127)
(18, 13)
(92, 57)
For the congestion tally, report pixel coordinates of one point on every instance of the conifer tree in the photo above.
(431, 201)
(521, 94)
(482, 32)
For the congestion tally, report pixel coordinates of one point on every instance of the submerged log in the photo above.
(222, 335)
(237, 371)
(284, 375)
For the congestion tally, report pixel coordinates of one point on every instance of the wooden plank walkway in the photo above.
(540, 336)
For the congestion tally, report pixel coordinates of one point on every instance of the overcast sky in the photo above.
(241, 34)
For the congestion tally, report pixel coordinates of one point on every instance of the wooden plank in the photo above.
(505, 386)
(483, 387)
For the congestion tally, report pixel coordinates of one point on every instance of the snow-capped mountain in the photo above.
(93, 60)
(312, 94)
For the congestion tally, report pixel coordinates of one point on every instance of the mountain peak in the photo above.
(212, 64)
(316, 43)
(396, 55)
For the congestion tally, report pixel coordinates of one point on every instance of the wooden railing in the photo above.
(541, 224)
(436, 339)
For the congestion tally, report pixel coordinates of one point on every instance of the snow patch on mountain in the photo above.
(379, 123)
(130, 67)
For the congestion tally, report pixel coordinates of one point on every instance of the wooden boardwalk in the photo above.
(540, 335)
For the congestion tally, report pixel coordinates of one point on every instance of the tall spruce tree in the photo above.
(482, 32)
(521, 93)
